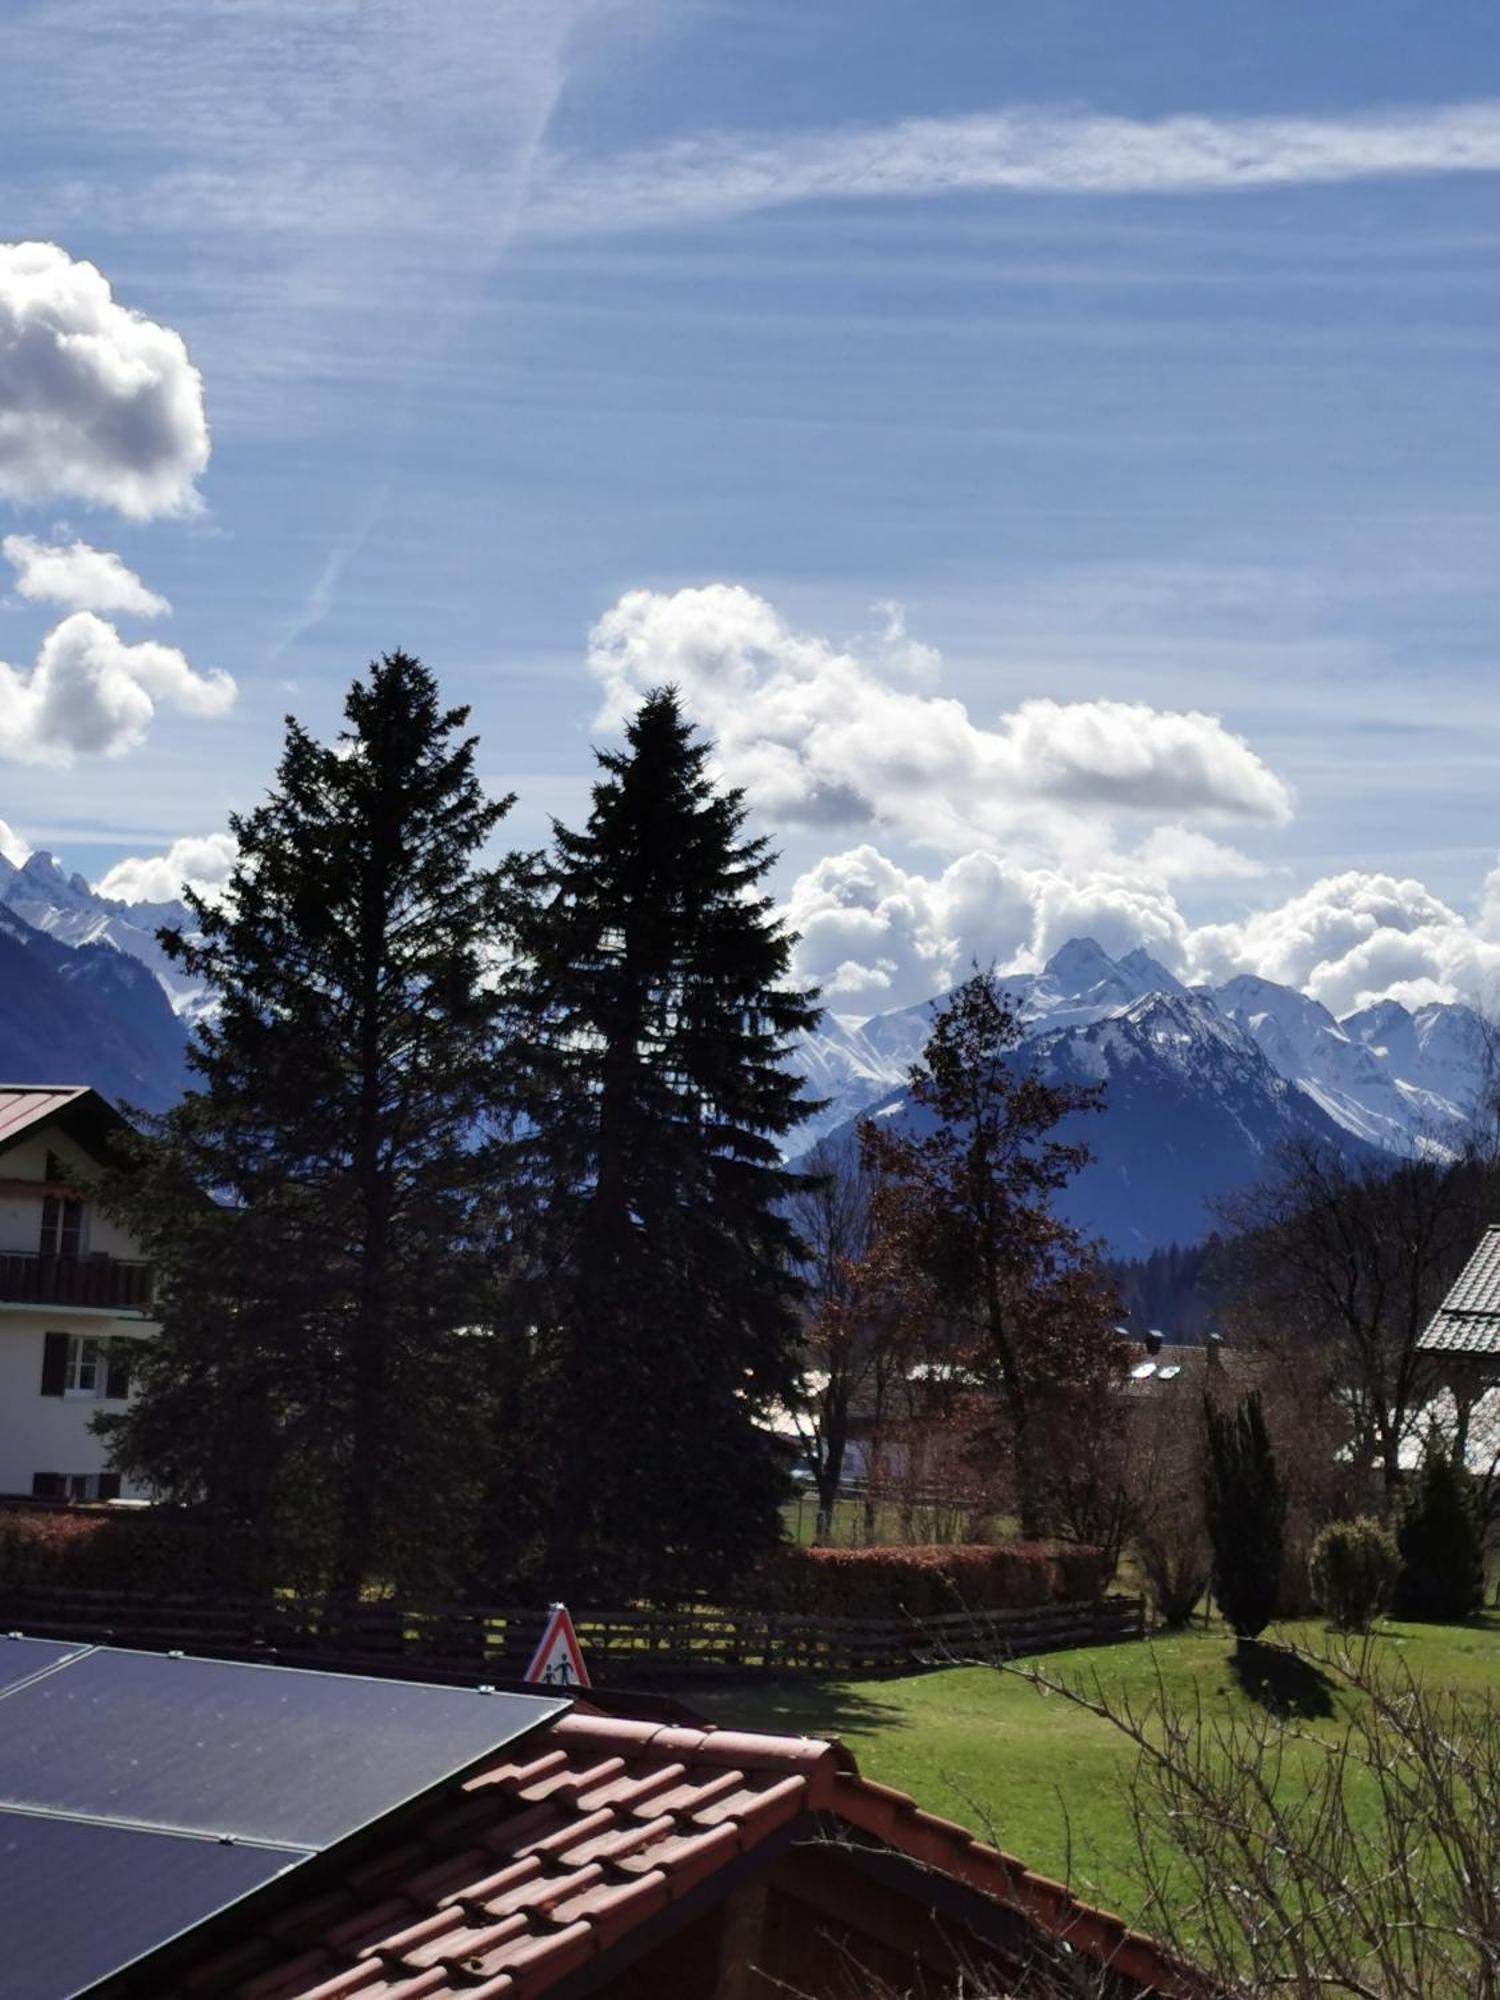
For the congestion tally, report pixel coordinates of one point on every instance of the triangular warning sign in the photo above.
(557, 1661)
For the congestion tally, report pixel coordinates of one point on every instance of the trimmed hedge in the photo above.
(105, 1549)
(924, 1582)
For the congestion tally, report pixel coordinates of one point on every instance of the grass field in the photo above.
(1041, 1778)
(799, 1519)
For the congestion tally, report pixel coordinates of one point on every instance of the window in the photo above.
(75, 1485)
(62, 1225)
(83, 1368)
(86, 1368)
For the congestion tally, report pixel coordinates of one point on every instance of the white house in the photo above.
(75, 1294)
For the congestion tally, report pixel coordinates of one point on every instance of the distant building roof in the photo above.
(1468, 1320)
(1188, 1371)
(25, 1104)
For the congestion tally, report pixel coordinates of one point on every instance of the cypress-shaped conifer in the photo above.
(1246, 1512)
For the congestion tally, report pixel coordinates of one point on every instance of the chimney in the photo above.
(1153, 1342)
(1214, 1346)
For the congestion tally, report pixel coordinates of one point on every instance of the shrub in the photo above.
(923, 1582)
(1441, 1539)
(1246, 1512)
(1353, 1568)
(1174, 1560)
(101, 1549)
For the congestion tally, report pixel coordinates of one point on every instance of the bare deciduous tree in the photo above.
(1284, 1860)
(1351, 1262)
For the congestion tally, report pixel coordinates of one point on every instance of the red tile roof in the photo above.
(548, 1857)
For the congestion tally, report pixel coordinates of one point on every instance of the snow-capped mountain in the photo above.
(1193, 1113)
(1202, 1086)
(64, 907)
(851, 1062)
(1400, 1081)
(86, 1013)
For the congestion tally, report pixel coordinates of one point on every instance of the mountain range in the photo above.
(1203, 1084)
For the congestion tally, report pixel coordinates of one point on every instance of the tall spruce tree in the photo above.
(319, 1205)
(654, 1015)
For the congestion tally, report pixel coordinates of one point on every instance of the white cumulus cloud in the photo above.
(1355, 938)
(90, 692)
(13, 848)
(877, 935)
(198, 861)
(79, 577)
(819, 736)
(97, 402)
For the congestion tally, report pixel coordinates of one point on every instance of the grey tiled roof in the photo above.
(1468, 1320)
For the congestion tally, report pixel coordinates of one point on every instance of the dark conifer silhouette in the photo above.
(1441, 1540)
(1246, 1510)
(319, 1205)
(653, 1016)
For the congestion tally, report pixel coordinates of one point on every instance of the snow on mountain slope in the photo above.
(1393, 1079)
(1444, 1057)
(851, 1062)
(85, 1013)
(1351, 1079)
(64, 907)
(1193, 1114)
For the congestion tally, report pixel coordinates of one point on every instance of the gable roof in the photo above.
(23, 1105)
(540, 1864)
(87, 1118)
(1468, 1320)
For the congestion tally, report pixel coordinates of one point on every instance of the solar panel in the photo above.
(21, 1658)
(78, 1901)
(190, 1758)
(265, 1753)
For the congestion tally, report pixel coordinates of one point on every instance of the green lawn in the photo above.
(1035, 1774)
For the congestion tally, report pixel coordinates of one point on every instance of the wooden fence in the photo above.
(623, 1648)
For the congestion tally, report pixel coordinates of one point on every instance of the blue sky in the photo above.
(881, 373)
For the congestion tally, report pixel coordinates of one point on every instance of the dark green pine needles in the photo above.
(321, 1206)
(1246, 1508)
(654, 1015)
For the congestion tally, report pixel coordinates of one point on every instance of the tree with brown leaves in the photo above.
(967, 1213)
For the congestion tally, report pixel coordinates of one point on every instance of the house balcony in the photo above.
(100, 1284)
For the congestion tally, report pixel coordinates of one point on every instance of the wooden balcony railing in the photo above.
(107, 1282)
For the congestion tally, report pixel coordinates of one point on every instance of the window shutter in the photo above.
(109, 1485)
(55, 1364)
(117, 1376)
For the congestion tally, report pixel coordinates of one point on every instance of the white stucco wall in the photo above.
(21, 1214)
(49, 1433)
